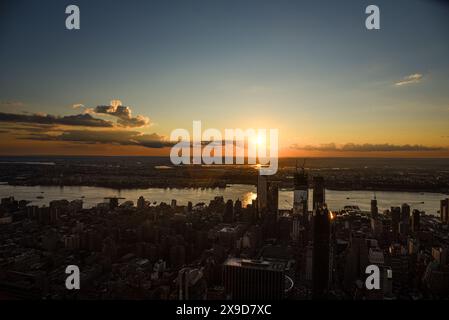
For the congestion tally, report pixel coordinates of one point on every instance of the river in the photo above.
(426, 201)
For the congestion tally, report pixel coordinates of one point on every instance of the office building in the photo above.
(318, 192)
(415, 221)
(246, 279)
(374, 208)
(395, 220)
(262, 194)
(321, 241)
(405, 213)
(444, 211)
(301, 195)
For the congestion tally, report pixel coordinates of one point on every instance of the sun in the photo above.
(260, 140)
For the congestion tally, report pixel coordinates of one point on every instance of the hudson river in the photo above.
(429, 202)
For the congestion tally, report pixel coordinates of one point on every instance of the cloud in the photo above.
(367, 147)
(321, 147)
(85, 120)
(123, 113)
(118, 137)
(413, 78)
(78, 105)
(388, 147)
(29, 127)
(11, 103)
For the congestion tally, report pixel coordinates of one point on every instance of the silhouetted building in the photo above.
(273, 198)
(246, 279)
(141, 203)
(399, 263)
(321, 245)
(405, 213)
(237, 209)
(444, 210)
(374, 208)
(301, 195)
(318, 192)
(228, 216)
(415, 220)
(189, 206)
(191, 284)
(262, 194)
(113, 202)
(395, 220)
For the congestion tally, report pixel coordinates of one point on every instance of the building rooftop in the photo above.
(272, 265)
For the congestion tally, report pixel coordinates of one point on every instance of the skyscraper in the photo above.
(141, 203)
(301, 196)
(318, 192)
(321, 239)
(395, 220)
(374, 208)
(237, 209)
(228, 215)
(246, 279)
(273, 198)
(415, 220)
(405, 213)
(262, 194)
(444, 210)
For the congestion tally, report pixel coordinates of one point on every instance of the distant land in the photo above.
(119, 172)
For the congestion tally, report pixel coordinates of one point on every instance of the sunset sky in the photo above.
(308, 68)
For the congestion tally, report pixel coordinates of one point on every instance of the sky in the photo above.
(307, 68)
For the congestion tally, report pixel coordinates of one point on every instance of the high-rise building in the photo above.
(246, 279)
(262, 194)
(374, 208)
(405, 213)
(237, 209)
(395, 220)
(191, 284)
(273, 198)
(318, 192)
(141, 203)
(228, 216)
(415, 220)
(189, 206)
(444, 211)
(321, 246)
(399, 263)
(301, 194)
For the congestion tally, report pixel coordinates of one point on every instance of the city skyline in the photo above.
(331, 87)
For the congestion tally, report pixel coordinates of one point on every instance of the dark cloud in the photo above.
(85, 120)
(367, 147)
(29, 127)
(123, 113)
(118, 137)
